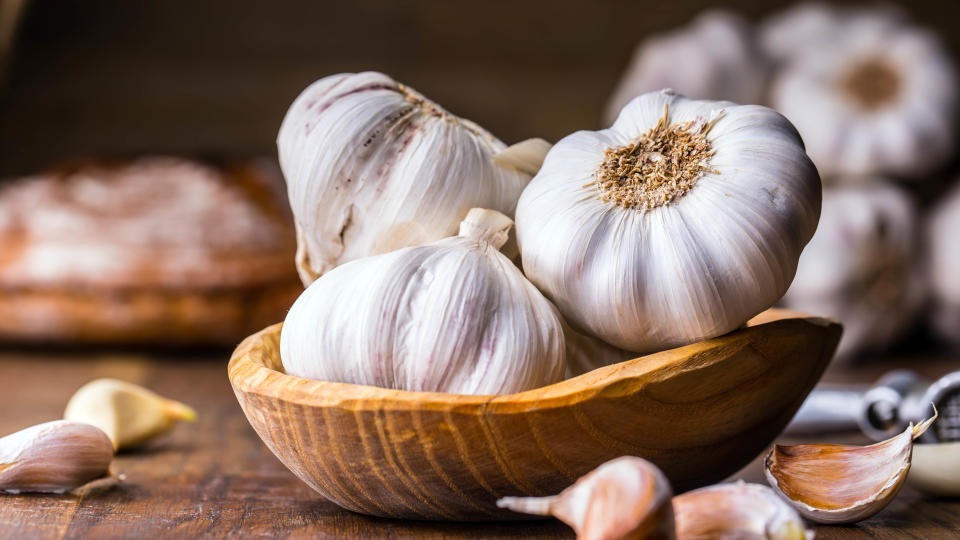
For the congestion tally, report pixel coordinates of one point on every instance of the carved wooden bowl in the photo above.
(700, 412)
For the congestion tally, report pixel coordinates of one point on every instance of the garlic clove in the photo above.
(627, 497)
(525, 156)
(736, 510)
(936, 469)
(831, 483)
(129, 414)
(53, 457)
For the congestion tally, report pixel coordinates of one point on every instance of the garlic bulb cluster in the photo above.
(372, 166)
(714, 57)
(677, 224)
(859, 268)
(453, 316)
(944, 266)
(870, 93)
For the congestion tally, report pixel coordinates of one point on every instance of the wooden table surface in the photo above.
(214, 478)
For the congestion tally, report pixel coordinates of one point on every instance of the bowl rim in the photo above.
(249, 372)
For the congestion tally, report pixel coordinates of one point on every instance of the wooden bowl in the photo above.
(700, 412)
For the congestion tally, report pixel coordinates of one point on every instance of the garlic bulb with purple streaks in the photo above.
(452, 316)
(372, 166)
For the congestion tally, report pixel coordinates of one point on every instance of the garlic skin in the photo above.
(452, 316)
(737, 510)
(943, 267)
(659, 265)
(585, 354)
(859, 268)
(53, 457)
(373, 166)
(627, 497)
(831, 483)
(870, 93)
(713, 57)
(129, 414)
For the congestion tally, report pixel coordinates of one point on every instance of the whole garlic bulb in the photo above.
(372, 166)
(871, 94)
(677, 224)
(859, 266)
(452, 316)
(944, 266)
(713, 57)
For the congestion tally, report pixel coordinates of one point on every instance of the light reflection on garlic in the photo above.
(860, 266)
(713, 57)
(869, 92)
(736, 510)
(944, 266)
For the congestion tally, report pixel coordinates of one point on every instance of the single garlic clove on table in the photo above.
(129, 414)
(736, 510)
(830, 483)
(53, 457)
(624, 498)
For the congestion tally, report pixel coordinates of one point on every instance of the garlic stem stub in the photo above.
(373, 166)
(736, 510)
(627, 497)
(53, 457)
(452, 316)
(678, 224)
(831, 483)
(128, 413)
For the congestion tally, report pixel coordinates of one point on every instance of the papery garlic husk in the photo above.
(627, 497)
(871, 94)
(861, 266)
(943, 266)
(373, 166)
(832, 483)
(128, 413)
(936, 469)
(713, 57)
(736, 510)
(647, 266)
(53, 457)
(452, 316)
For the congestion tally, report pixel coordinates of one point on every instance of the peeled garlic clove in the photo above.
(943, 267)
(129, 414)
(453, 316)
(627, 497)
(936, 469)
(53, 457)
(736, 510)
(715, 56)
(373, 166)
(831, 483)
(678, 224)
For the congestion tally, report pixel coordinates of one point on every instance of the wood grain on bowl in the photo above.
(699, 412)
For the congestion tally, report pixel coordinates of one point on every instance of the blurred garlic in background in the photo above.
(869, 92)
(713, 57)
(860, 266)
(943, 252)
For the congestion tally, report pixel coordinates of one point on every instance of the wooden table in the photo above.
(215, 478)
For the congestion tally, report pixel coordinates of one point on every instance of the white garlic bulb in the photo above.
(944, 266)
(677, 224)
(713, 57)
(869, 93)
(859, 268)
(453, 316)
(372, 166)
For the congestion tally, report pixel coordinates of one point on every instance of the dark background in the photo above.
(214, 78)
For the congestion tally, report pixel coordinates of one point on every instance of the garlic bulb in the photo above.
(373, 166)
(677, 224)
(831, 483)
(869, 93)
(627, 497)
(452, 316)
(859, 267)
(736, 510)
(714, 57)
(585, 353)
(944, 266)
